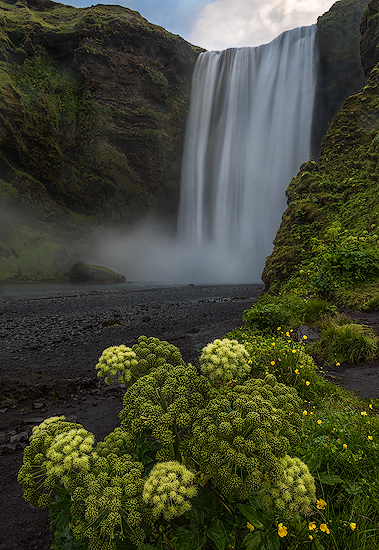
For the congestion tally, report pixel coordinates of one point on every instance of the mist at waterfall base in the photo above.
(248, 131)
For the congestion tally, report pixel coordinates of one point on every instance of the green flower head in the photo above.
(224, 360)
(168, 488)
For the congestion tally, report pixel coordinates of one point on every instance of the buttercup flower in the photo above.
(321, 504)
(353, 526)
(319, 422)
(250, 527)
(282, 530)
(370, 437)
(312, 526)
(363, 413)
(307, 383)
(272, 363)
(344, 446)
(324, 528)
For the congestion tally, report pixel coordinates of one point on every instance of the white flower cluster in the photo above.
(116, 361)
(69, 451)
(294, 492)
(224, 360)
(167, 488)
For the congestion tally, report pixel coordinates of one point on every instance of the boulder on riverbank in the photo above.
(85, 273)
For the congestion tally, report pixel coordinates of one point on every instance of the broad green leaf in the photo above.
(251, 514)
(329, 478)
(188, 538)
(217, 532)
(272, 542)
(353, 488)
(252, 541)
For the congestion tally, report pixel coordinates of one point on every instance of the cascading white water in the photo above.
(248, 131)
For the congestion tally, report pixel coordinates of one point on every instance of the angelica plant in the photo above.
(168, 488)
(164, 403)
(107, 502)
(294, 492)
(152, 353)
(224, 360)
(239, 438)
(56, 448)
(117, 361)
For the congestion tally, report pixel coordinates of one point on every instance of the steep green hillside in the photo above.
(92, 109)
(328, 238)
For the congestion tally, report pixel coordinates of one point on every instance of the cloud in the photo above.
(224, 23)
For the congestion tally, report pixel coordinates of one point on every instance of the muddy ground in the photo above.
(50, 344)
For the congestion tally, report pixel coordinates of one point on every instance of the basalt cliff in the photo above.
(93, 103)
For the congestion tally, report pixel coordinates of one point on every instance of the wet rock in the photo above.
(85, 273)
(34, 420)
(311, 334)
(23, 436)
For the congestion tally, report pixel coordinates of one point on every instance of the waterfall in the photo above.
(248, 132)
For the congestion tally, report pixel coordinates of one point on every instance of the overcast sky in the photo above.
(220, 24)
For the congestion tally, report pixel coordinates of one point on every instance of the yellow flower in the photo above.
(344, 446)
(287, 333)
(296, 371)
(312, 526)
(370, 437)
(319, 421)
(282, 530)
(307, 383)
(279, 328)
(324, 528)
(353, 526)
(363, 413)
(272, 363)
(370, 406)
(321, 504)
(250, 527)
(338, 364)
(273, 343)
(305, 413)
(310, 536)
(293, 351)
(305, 337)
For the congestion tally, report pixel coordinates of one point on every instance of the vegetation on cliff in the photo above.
(340, 71)
(92, 110)
(328, 238)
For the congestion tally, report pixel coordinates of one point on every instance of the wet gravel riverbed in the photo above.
(54, 341)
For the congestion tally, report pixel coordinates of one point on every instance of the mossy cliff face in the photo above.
(340, 72)
(370, 37)
(93, 104)
(342, 193)
(92, 110)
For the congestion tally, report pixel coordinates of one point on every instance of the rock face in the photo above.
(85, 273)
(341, 194)
(340, 72)
(370, 37)
(92, 109)
(93, 104)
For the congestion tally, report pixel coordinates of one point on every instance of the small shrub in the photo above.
(350, 342)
